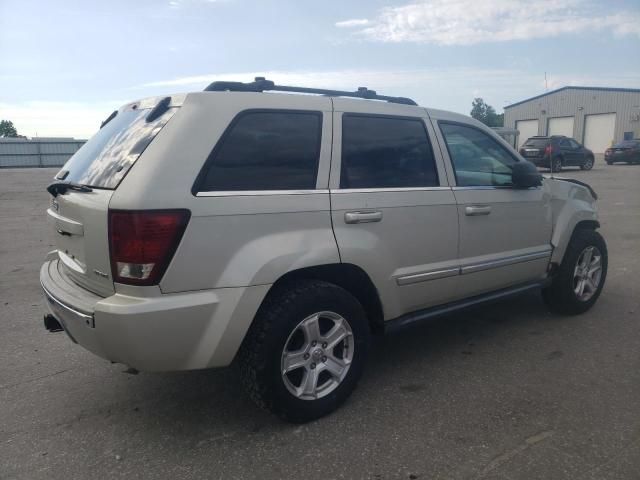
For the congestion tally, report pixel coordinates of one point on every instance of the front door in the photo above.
(505, 233)
(394, 215)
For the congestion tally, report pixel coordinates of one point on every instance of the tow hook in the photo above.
(51, 324)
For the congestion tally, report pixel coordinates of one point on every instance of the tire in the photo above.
(283, 325)
(588, 164)
(561, 296)
(556, 164)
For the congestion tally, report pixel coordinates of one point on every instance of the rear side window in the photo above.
(386, 152)
(266, 151)
(106, 158)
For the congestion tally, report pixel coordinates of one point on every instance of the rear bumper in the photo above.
(540, 161)
(159, 332)
(622, 157)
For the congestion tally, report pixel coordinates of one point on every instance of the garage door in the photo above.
(599, 131)
(527, 128)
(561, 126)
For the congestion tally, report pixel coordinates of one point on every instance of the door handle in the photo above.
(475, 210)
(362, 217)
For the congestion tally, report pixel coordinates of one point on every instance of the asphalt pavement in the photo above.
(507, 391)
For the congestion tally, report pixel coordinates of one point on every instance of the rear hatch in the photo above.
(534, 147)
(625, 147)
(80, 218)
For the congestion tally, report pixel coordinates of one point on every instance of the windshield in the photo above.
(537, 142)
(106, 158)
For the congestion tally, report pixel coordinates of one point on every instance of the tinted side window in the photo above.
(384, 152)
(267, 151)
(573, 143)
(478, 159)
(564, 143)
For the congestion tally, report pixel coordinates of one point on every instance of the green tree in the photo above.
(486, 114)
(7, 129)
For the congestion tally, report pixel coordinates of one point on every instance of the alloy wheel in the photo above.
(587, 273)
(317, 355)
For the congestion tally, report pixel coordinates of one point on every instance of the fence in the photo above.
(37, 152)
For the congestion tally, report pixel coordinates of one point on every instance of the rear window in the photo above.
(106, 158)
(275, 150)
(537, 142)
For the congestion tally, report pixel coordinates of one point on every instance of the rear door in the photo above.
(80, 219)
(394, 214)
(505, 233)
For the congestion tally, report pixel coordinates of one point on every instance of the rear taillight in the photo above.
(608, 152)
(142, 243)
(548, 150)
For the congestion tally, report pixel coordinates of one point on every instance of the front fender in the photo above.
(571, 205)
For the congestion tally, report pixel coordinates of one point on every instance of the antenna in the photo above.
(546, 121)
(546, 86)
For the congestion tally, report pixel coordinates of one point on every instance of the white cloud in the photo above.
(467, 22)
(355, 22)
(58, 119)
(175, 4)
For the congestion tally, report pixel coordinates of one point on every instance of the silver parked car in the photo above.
(283, 230)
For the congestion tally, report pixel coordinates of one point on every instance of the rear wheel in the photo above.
(588, 164)
(556, 164)
(578, 282)
(305, 351)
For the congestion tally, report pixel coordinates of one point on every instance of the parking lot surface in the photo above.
(506, 391)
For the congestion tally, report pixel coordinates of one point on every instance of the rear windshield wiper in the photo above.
(58, 188)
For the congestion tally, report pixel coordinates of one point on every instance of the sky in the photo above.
(65, 64)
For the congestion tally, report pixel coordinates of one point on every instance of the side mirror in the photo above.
(525, 175)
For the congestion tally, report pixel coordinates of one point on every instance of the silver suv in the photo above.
(283, 230)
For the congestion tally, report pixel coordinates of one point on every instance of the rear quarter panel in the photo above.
(233, 238)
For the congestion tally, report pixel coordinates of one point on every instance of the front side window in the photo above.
(574, 144)
(386, 152)
(266, 151)
(477, 158)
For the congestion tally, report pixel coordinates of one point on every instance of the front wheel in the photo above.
(305, 351)
(579, 280)
(588, 164)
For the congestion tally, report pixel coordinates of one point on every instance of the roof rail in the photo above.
(261, 84)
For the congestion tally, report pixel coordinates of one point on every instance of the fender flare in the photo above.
(572, 216)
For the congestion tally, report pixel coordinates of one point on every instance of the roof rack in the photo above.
(261, 84)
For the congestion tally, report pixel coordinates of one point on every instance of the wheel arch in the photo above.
(345, 275)
(581, 220)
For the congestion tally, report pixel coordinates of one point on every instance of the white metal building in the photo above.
(594, 116)
(37, 152)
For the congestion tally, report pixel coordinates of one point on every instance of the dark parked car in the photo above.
(557, 151)
(626, 151)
